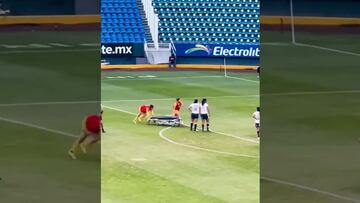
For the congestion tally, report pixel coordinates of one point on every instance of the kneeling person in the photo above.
(145, 111)
(90, 134)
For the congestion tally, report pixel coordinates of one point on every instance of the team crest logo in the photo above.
(199, 47)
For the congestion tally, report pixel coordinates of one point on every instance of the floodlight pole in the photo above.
(292, 22)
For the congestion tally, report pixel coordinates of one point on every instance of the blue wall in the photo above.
(326, 8)
(51, 7)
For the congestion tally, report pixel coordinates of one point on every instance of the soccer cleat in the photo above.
(83, 148)
(135, 121)
(72, 154)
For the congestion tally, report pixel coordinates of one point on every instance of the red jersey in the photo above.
(144, 108)
(177, 106)
(92, 123)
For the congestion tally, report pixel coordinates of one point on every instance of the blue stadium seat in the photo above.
(208, 21)
(214, 21)
(121, 22)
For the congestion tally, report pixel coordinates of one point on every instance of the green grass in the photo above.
(310, 140)
(35, 166)
(139, 166)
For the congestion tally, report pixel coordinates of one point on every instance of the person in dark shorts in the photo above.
(194, 108)
(172, 61)
(205, 114)
(256, 117)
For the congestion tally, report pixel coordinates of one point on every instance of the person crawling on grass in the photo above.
(90, 134)
(145, 111)
(256, 117)
(194, 108)
(205, 114)
(176, 107)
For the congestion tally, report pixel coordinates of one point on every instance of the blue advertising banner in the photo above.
(115, 50)
(218, 50)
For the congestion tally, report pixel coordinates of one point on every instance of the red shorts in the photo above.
(144, 109)
(92, 124)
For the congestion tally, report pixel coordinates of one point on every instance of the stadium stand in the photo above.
(121, 22)
(184, 21)
(209, 21)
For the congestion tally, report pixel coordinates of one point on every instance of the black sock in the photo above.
(195, 127)
(202, 127)
(207, 127)
(258, 133)
(191, 126)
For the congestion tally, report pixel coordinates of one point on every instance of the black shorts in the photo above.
(205, 117)
(194, 116)
(257, 125)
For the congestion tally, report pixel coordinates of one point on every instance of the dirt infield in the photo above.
(50, 27)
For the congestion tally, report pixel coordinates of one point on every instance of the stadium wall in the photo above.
(138, 57)
(49, 19)
(51, 7)
(319, 8)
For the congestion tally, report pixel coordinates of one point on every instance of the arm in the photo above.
(208, 110)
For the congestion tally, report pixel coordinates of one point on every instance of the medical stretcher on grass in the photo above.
(165, 120)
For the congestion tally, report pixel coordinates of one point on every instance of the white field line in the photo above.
(47, 51)
(265, 178)
(313, 93)
(225, 134)
(161, 134)
(116, 101)
(311, 189)
(237, 78)
(171, 98)
(232, 154)
(47, 103)
(185, 77)
(327, 49)
(37, 127)
(159, 78)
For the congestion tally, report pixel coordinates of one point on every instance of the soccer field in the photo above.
(142, 163)
(38, 125)
(310, 117)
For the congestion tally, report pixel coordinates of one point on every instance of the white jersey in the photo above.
(256, 116)
(195, 108)
(204, 109)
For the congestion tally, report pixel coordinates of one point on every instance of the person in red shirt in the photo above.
(176, 107)
(90, 134)
(145, 111)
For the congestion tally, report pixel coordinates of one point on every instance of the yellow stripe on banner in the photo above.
(52, 19)
(307, 20)
(179, 66)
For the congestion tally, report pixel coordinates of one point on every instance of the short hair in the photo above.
(177, 99)
(196, 101)
(151, 106)
(258, 108)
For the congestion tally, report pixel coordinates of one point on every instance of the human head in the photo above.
(151, 107)
(195, 101)
(177, 99)
(257, 108)
(203, 101)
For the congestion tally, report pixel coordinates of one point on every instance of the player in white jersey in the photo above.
(256, 116)
(205, 114)
(194, 108)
